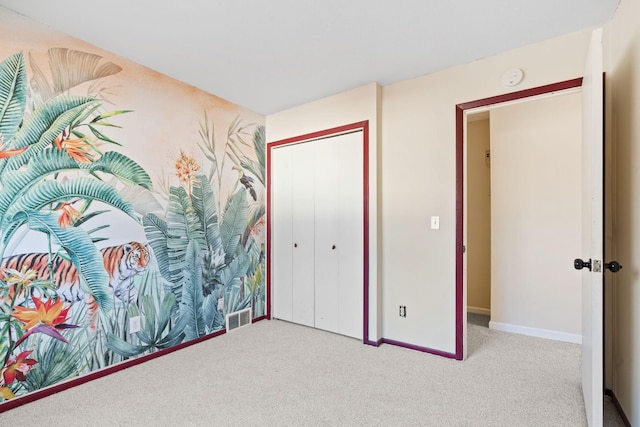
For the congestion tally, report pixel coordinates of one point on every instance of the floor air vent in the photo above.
(238, 319)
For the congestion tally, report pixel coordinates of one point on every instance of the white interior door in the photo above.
(303, 218)
(282, 236)
(339, 234)
(351, 230)
(293, 235)
(327, 235)
(318, 233)
(592, 233)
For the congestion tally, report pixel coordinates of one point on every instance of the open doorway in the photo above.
(521, 221)
(478, 160)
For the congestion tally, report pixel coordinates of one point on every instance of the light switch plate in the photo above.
(220, 303)
(435, 223)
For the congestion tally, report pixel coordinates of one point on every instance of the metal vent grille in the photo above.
(238, 319)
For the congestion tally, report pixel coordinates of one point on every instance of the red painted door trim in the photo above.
(460, 109)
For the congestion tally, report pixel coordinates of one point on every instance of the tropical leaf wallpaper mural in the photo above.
(123, 195)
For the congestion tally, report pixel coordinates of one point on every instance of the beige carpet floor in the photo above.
(275, 373)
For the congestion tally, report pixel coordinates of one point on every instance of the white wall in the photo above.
(623, 87)
(356, 105)
(535, 217)
(478, 217)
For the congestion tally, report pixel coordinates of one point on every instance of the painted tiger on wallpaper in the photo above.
(122, 263)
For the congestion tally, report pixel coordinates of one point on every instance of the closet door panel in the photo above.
(318, 233)
(349, 192)
(303, 206)
(282, 236)
(327, 214)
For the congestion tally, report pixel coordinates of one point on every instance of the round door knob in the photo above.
(613, 266)
(579, 264)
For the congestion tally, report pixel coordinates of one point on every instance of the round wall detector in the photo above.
(512, 77)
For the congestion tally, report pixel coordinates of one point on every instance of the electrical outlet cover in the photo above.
(134, 324)
(220, 303)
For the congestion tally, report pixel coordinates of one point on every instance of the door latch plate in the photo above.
(597, 266)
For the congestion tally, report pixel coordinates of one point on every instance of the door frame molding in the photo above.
(323, 134)
(460, 177)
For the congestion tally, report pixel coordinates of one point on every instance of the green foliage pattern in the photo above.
(207, 259)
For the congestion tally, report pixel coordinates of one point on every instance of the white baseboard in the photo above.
(535, 332)
(478, 310)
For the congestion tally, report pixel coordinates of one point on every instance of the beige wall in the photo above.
(356, 105)
(535, 217)
(478, 217)
(418, 180)
(623, 87)
(416, 175)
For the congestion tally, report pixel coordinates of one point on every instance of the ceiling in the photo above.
(268, 56)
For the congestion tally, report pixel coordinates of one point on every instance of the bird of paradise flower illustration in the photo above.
(59, 136)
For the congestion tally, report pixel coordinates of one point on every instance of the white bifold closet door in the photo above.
(318, 233)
